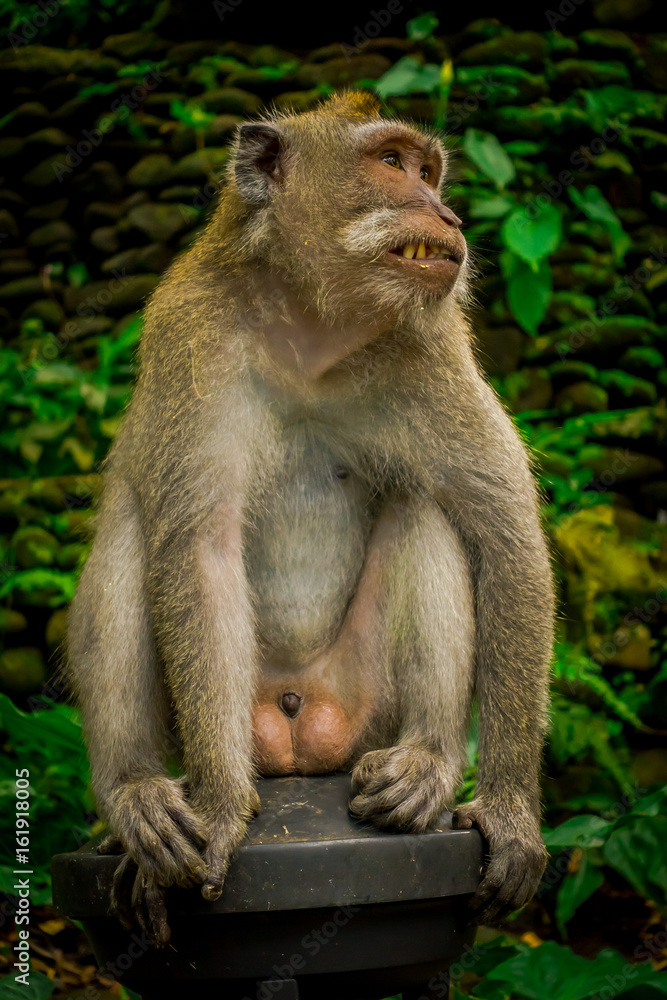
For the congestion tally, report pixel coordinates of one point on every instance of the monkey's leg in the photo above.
(424, 597)
(113, 668)
(205, 629)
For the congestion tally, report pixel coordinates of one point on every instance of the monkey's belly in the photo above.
(304, 547)
(296, 733)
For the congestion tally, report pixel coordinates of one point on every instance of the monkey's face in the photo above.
(349, 210)
(403, 232)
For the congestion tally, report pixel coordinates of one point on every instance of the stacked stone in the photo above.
(110, 160)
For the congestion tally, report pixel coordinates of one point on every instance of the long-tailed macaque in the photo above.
(319, 534)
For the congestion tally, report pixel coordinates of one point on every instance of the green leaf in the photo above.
(555, 972)
(39, 987)
(579, 831)
(639, 852)
(592, 203)
(408, 76)
(576, 889)
(528, 291)
(487, 991)
(486, 153)
(533, 239)
(191, 114)
(422, 27)
(614, 159)
(490, 208)
(57, 373)
(77, 275)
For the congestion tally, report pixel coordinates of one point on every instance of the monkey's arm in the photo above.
(114, 672)
(205, 629)
(496, 513)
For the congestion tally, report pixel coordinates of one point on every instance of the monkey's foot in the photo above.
(226, 830)
(517, 857)
(137, 898)
(154, 824)
(403, 787)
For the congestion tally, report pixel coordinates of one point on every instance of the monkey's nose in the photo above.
(290, 703)
(450, 218)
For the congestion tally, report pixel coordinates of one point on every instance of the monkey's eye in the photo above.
(392, 159)
(424, 173)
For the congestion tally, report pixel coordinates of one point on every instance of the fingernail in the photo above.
(211, 892)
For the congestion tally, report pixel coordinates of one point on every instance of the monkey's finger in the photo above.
(496, 909)
(521, 893)
(497, 892)
(410, 802)
(159, 847)
(379, 769)
(189, 822)
(188, 864)
(399, 807)
(217, 870)
(156, 909)
(121, 889)
(149, 908)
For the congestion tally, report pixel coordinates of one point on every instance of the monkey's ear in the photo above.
(258, 165)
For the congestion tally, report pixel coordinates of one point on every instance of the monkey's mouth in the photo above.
(427, 251)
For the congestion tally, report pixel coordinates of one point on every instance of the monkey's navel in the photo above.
(290, 703)
(341, 473)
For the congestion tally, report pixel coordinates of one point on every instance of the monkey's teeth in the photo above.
(422, 251)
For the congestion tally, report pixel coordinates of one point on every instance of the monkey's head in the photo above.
(345, 207)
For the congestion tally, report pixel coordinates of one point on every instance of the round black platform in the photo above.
(315, 905)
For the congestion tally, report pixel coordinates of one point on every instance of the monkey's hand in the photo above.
(153, 824)
(517, 856)
(226, 827)
(406, 787)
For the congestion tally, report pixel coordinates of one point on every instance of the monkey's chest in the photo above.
(304, 548)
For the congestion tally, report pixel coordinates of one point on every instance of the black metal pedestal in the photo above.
(316, 907)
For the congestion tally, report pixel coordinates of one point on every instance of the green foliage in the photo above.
(422, 27)
(487, 153)
(191, 114)
(554, 971)
(39, 987)
(572, 325)
(592, 202)
(408, 76)
(528, 289)
(634, 845)
(49, 743)
(57, 417)
(532, 237)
